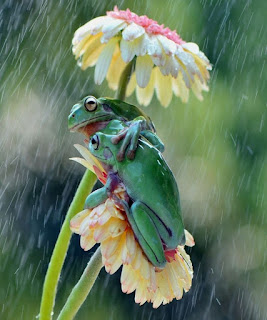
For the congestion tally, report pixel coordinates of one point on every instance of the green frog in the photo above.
(153, 209)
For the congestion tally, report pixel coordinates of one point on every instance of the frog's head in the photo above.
(90, 110)
(101, 147)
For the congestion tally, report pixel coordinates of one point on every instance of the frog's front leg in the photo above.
(101, 195)
(145, 232)
(96, 198)
(130, 136)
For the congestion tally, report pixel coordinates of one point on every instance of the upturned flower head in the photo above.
(107, 225)
(164, 61)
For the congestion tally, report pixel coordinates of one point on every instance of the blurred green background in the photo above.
(217, 150)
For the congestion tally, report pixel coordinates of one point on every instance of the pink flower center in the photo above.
(151, 26)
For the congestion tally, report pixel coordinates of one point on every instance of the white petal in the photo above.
(143, 70)
(139, 46)
(187, 61)
(103, 61)
(92, 27)
(132, 32)
(185, 77)
(159, 60)
(168, 45)
(171, 66)
(127, 52)
(153, 47)
(111, 29)
(191, 46)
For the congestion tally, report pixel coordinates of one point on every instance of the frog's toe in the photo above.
(120, 156)
(131, 154)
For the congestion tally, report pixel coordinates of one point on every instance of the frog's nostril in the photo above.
(73, 115)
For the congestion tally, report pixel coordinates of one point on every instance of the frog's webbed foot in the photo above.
(130, 137)
(96, 198)
(153, 139)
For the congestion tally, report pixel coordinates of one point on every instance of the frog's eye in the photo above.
(95, 142)
(90, 103)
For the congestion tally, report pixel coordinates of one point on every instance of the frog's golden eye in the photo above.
(95, 142)
(90, 103)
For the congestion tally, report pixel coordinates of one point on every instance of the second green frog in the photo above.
(154, 207)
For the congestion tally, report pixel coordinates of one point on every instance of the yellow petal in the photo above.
(76, 221)
(141, 293)
(145, 268)
(109, 247)
(80, 47)
(91, 51)
(136, 263)
(131, 85)
(183, 90)
(83, 162)
(190, 242)
(89, 157)
(152, 280)
(163, 285)
(163, 86)
(131, 243)
(118, 228)
(144, 95)
(176, 288)
(115, 70)
(87, 242)
(158, 299)
(114, 262)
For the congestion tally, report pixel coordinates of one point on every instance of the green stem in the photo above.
(124, 80)
(61, 247)
(88, 278)
(82, 288)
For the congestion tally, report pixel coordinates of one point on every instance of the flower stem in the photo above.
(61, 247)
(124, 80)
(82, 288)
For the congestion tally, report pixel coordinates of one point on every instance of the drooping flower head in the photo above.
(164, 61)
(107, 224)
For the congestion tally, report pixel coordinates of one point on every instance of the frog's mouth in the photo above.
(87, 122)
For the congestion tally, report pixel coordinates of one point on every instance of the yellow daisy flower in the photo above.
(107, 224)
(164, 61)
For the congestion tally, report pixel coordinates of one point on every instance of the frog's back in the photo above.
(149, 179)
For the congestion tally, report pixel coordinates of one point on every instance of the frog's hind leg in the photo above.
(145, 232)
(169, 238)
